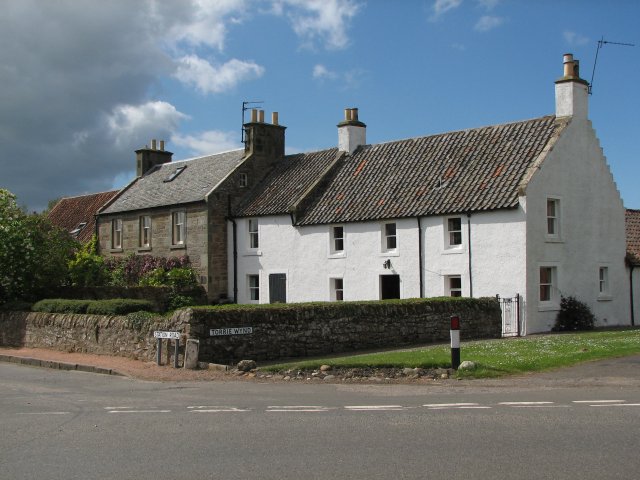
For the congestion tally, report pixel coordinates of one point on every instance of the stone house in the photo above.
(525, 210)
(182, 208)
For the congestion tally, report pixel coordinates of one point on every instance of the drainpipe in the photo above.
(420, 258)
(235, 250)
(469, 241)
(631, 294)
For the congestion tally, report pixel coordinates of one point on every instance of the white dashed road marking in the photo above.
(43, 413)
(459, 406)
(375, 408)
(297, 408)
(216, 409)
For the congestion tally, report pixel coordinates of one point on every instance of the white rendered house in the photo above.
(527, 208)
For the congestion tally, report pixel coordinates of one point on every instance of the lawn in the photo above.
(498, 357)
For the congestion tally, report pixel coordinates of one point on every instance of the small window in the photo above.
(179, 227)
(116, 233)
(604, 281)
(389, 237)
(76, 231)
(174, 174)
(337, 289)
(454, 231)
(254, 239)
(243, 180)
(453, 285)
(553, 217)
(337, 239)
(253, 281)
(145, 231)
(547, 283)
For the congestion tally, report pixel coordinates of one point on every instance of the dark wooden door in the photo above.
(278, 288)
(389, 286)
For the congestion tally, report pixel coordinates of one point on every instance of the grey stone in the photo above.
(325, 368)
(246, 365)
(467, 365)
(409, 371)
(329, 378)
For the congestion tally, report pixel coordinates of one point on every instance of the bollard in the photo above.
(455, 342)
(175, 356)
(159, 352)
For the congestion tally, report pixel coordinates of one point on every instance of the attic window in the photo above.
(78, 229)
(175, 173)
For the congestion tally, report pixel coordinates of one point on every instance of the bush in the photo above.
(60, 305)
(181, 278)
(573, 315)
(88, 268)
(140, 319)
(118, 306)
(155, 278)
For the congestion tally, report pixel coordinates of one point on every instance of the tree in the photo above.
(33, 253)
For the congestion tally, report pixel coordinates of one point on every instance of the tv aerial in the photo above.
(601, 43)
(245, 107)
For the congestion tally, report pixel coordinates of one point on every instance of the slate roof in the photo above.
(71, 212)
(199, 177)
(632, 223)
(471, 170)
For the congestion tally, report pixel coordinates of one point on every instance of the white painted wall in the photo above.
(592, 230)
(636, 292)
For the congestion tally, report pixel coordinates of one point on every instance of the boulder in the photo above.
(246, 365)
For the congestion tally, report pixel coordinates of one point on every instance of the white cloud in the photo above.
(321, 72)
(488, 4)
(488, 22)
(324, 21)
(206, 78)
(209, 142)
(440, 7)
(574, 39)
(128, 124)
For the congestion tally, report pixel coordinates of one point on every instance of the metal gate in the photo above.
(511, 324)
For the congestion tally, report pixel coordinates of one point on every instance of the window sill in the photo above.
(548, 307)
(178, 247)
(116, 250)
(337, 255)
(144, 249)
(605, 298)
(390, 253)
(253, 253)
(553, 240)
(453, 250)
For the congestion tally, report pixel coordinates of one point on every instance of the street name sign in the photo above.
(216, 332)
(170, 335)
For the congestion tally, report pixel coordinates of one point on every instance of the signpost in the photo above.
(168, 335)
(455, 342)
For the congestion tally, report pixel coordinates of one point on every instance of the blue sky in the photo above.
(83, 83)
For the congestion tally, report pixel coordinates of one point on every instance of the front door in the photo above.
(389, 286)
(278, 288)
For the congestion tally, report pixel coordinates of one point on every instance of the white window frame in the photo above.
(116, 234)
(449, 289)
(336, 287)
(553, 300)
(179, 228)
(389, 241)
(253, 234)
(553, 228)
(145, 231)
(337, 244)
(449, 234)
(604, 285)
(253, 287)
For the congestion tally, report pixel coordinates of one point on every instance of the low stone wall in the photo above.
(106, 335)
(317, 329)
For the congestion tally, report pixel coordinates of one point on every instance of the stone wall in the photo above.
(286, 331)
(106, 335)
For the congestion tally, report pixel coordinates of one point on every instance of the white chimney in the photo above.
(351, 132)
(572, 92)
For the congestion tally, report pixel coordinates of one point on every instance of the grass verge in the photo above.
(495, 358)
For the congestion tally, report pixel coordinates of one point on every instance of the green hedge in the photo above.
(117, 306)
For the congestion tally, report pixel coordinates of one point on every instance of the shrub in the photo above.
(118, 306)
(59, 305)
(140, 319)
(88, 268)
(181, 278)
(573, 315)
(155, 278)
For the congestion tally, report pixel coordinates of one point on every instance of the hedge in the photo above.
(61, 305)
(117, 306)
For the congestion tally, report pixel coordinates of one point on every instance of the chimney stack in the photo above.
(572, 92)
(351, 132)
(147, 158)
(264, 138)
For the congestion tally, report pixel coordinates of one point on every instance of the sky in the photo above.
(84, 83)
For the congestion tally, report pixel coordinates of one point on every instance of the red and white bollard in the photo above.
(455, 342)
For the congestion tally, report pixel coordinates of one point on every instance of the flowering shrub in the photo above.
(88, 268)
(133, 269)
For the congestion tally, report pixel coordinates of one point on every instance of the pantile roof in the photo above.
(632, 222)
(464, 171)
(191, 184)
(76, 214)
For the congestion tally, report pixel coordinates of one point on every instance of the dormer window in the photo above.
(76, 231)
(174, 174)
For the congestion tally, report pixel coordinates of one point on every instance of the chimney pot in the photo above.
(274, 118)
(261, 116)
(354, 114)
(153, 144)
(162, 145)
(254, 115)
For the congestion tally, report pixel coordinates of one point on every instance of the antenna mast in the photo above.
(602, 42)
(244, 109)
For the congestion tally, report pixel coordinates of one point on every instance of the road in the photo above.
(74, 425)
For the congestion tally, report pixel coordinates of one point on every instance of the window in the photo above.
(76, 231)
(454, 231)
(253, 281)
(553, 217)
(243, 180)
(174, 174)
(604, 281)
(254, 240)
(547, 284)
(337, 289)
(145, 231)
(453, 285)
(337, 239)
(389, 237)
(178, 227)
(116, 233)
